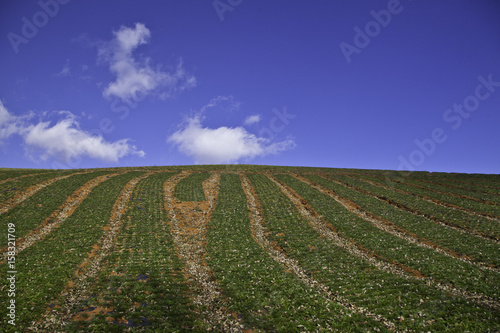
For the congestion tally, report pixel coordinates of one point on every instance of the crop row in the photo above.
(10, 189)
(433, 186)
(448, 197)
(246, 251)
(469, 181)
(392, 296)
(190, 188)
(261, 292)
(425, 260)
(141, 283)
(33, 211)
(45, 267)
(426, 220)
(474, 190)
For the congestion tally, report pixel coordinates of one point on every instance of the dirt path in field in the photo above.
(78, 289)
(390, 227)
(259, 234)
(58, 216)
(188, 226)
(9, 204)
(442, 204)
(379, 222)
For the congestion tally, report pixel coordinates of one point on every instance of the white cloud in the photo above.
(66, 70)
(5, 116)
(135, 77)
(252, 119)
(226, 103)
(223, 144)
(64, 141)
(9, 124)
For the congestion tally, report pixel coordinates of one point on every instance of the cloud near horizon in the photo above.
(223, 144)
(138, 78)
(65, 141)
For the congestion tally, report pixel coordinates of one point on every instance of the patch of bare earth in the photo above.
(188, 226)
(58, 216)
(389, 227)
(9, 204)
(259, 234)
(78, 289)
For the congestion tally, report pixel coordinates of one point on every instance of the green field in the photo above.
(243, 248)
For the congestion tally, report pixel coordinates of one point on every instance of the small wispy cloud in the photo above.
(250, 120)
(222, 144)
(135, 77)
(66, 70)
(63, 141)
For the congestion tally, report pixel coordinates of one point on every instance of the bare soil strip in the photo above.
(259, 232)
(434, 201)
(77, 290)
(433, 219)
(188, 225)
(58, 216)
(9, 204)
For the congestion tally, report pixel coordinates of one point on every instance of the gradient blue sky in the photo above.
(352, 84)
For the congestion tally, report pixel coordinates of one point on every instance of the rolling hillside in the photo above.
(249, 248)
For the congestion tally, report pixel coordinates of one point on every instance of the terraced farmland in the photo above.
(249, 249)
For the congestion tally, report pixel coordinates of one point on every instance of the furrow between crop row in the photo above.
(58, 216)
(77, 289)
(188, 226)
(259, 234)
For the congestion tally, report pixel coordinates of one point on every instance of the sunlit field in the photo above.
(249, 248)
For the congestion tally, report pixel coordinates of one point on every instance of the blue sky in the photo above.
(410, 85)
